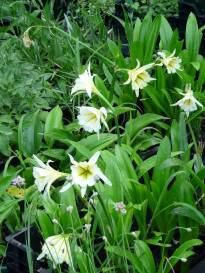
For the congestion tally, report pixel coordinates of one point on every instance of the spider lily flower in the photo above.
(84, 83)
(26, 39)
(188, 103)
(57, 249)
(90, 118)
(139, 77)
(45, 175)
(171, 62)
(85, 174)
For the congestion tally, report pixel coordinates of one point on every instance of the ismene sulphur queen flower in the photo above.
(91, 118)
(170, 61)
(57, 249)
(139, 77)
(45, 175)
(188, 103)
(84, 83)
(85, 174)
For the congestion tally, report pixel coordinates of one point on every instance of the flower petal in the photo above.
(94, 158)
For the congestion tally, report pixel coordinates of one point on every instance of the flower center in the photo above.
(85, 171)
(187, 102)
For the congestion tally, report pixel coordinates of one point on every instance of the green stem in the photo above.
(113, 113)
(193, 136)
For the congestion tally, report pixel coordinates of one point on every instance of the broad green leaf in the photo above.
(186, 210)
(53, 121)
(165, 33)
(30, 134)
(193, 37)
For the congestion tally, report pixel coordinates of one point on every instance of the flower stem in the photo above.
(193, 136)
(113, 113)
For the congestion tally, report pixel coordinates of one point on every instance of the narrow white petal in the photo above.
(83, 191)
(102, 176)
(72, 160)
(66, 187)
(39, 162)
(94, 158)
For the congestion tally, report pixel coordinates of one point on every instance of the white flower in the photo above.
(188, 103)
(120, 206)
(91, 118)
(57, 249)
(26, 39)
(84, 83)
(171, 62)
(45, 175)
(139, 77)
(85, 174)
(18, 181)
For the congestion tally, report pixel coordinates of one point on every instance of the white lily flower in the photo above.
(171, 62)
(188, 103)
(139, 77)
(84, 83)
(90, 118)
(85, 174)
(57, 249)
(45, 175)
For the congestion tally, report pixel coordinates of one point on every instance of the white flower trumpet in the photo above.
(188, 103)
(170, 61)
(45, 175)
(85, 174)
(139, 77)
(84, 83)
(57, 249)
(90, 118)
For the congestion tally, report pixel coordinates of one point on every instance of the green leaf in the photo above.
(186, 210)
(53, 121)
(30, 134)
(151, 40)
(165, 33)
(121, 252)
(193, 37)
(181, 252)
(45, 224)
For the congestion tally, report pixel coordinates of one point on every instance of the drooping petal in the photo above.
(83, 191)
(100, 174)
(66, 187)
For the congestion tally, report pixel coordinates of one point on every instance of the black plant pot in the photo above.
(199, 268)
(16, 255)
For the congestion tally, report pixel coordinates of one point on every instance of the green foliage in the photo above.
(151, 218)
(165, 7)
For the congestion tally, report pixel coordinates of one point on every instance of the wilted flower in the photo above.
(84, 83)
(120, 206)
(188, 103)
(171, 62)
(85, 174)
(26, 39)
(139, 77)
(57, 249)
(18, 181)
(90, 118)
(45, 175)
(69, 209)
